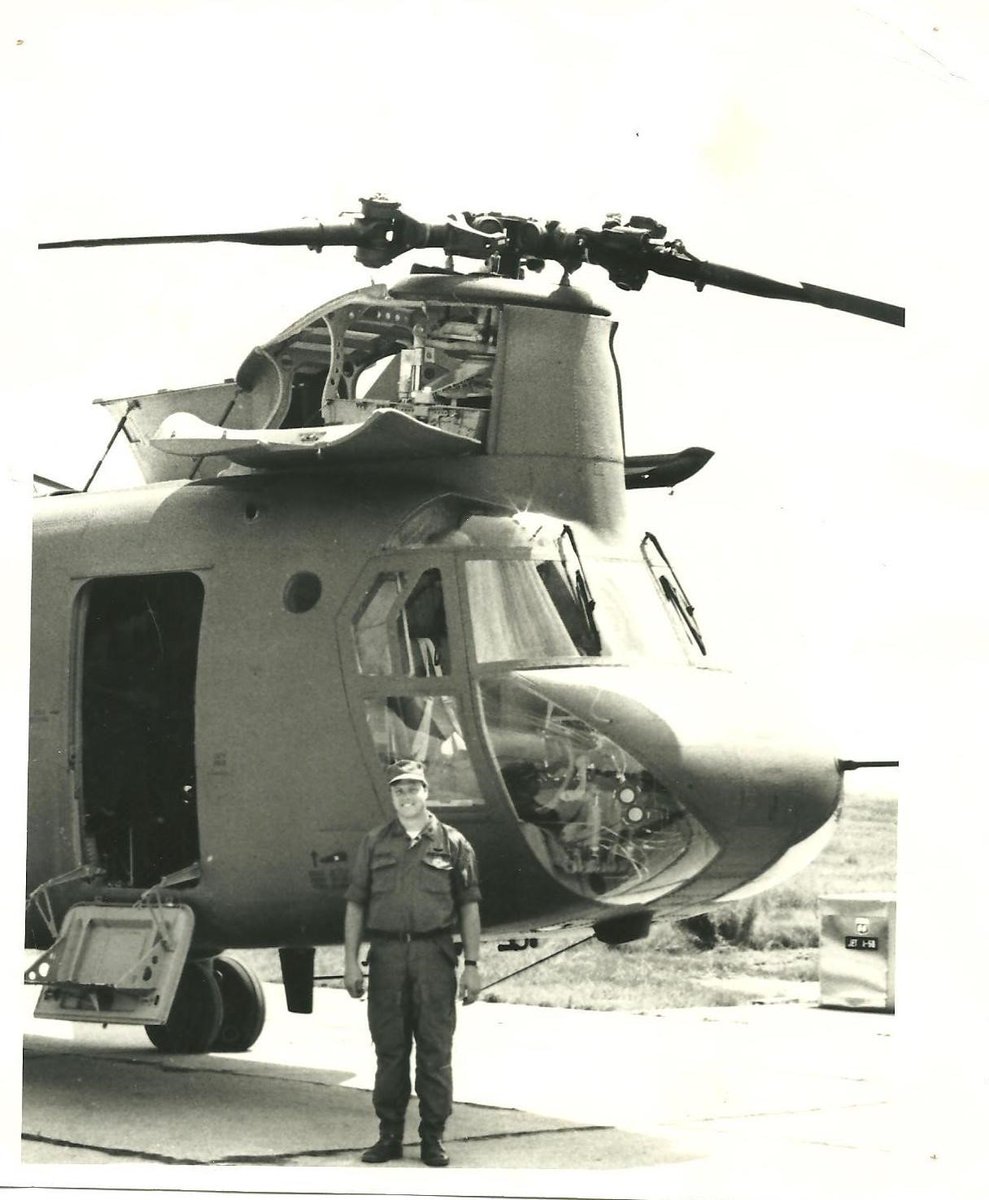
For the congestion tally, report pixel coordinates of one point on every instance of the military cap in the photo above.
(406, 768)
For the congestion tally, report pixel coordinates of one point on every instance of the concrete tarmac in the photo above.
(757, 1100)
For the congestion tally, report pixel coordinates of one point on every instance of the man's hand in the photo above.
(353, 934)
(353, 979)
(470, 984)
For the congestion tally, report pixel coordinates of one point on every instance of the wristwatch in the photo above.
(470, 962)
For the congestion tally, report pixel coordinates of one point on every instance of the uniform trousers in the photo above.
(412, 996)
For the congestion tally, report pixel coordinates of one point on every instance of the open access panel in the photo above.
(114, 963)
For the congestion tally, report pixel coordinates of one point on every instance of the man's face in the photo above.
(409, 798)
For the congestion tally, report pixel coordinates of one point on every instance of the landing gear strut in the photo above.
(219, 1006)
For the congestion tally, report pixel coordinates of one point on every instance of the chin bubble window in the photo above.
(595, 816)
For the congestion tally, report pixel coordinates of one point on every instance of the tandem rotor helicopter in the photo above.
(400, 531)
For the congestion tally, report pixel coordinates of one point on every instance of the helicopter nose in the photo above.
(758, 781)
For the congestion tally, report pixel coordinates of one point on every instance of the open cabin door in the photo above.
(135, 760)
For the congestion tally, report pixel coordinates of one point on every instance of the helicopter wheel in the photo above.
(197, 1011)
(243, 1006)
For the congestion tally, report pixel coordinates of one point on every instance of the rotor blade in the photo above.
(315, 236)
(704, 273)
(628, 253)
(808, 293)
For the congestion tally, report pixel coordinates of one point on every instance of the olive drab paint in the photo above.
(401, 531)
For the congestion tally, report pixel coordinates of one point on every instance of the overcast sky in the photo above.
(835, 539)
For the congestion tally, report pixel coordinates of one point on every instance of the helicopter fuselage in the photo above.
(223, 664)
(211, 684)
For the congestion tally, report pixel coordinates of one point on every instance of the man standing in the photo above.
(414, 882)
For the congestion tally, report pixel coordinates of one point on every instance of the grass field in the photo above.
(763, 950)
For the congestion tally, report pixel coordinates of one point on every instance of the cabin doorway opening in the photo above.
(136, 757)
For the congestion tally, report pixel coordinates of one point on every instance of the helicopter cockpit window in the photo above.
(520, 609)
(426, 727)
(635, 622)
(594, 815)
(538, 596)
(685, 621)
(400, 629)
(532, 608)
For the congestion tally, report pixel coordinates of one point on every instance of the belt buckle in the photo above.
(406, 937)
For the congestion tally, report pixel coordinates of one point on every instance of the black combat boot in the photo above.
(387, 1147)
(433, 1152)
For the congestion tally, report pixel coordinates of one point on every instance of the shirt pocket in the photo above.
(384, 873)
(437, 873)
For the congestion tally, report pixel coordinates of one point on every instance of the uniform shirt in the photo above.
(413, 887)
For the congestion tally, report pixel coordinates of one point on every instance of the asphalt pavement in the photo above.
(756, 1100)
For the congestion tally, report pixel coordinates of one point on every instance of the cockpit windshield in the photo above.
(635, 620)
(536, 594)
(524, 609)
(534, 610)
